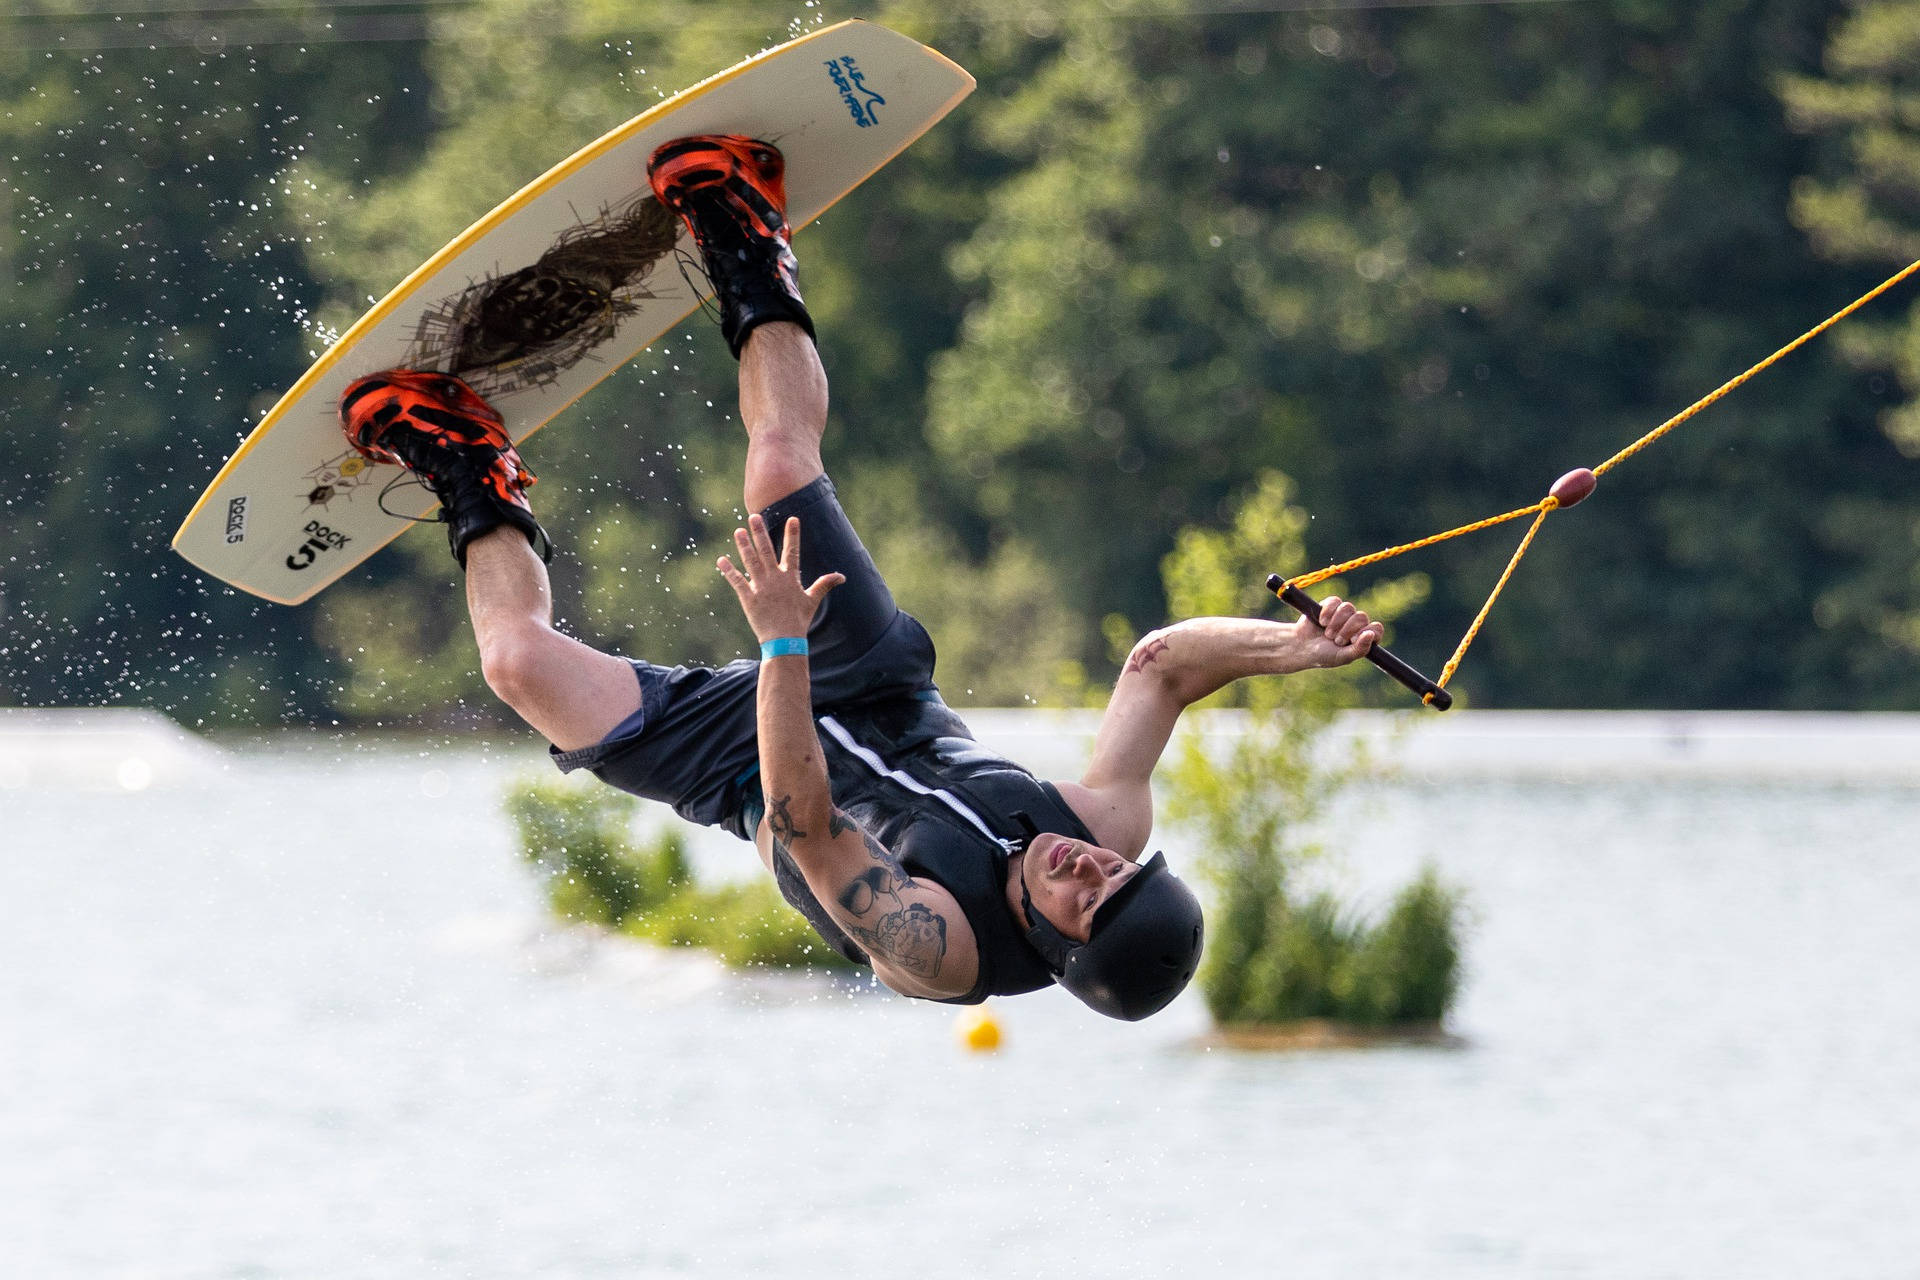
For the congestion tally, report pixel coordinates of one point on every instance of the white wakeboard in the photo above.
(548, 294)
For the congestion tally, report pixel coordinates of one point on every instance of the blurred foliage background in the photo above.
(1418, 260)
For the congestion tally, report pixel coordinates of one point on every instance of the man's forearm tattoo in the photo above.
(1144, 654)
(780, 822)
(909, 935)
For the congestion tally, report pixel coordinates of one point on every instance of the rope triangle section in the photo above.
(1569, 489)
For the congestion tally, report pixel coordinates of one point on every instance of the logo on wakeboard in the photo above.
(853, 89)
(320, 539)
(237, 520)
(337, 477)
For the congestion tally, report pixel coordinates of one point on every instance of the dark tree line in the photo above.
(1420, 260)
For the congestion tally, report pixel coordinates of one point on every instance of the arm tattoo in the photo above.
(915, 939)
(1139, 658)
(894, 873)
(884, 857)
(910, 935)
(864, 890)
(780, 822)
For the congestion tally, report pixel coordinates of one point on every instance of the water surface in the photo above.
(303, 1017)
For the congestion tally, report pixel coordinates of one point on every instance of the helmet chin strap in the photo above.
(1054, 947)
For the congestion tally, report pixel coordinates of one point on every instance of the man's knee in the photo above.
(569, 691)
(780, 462)
(512, 665)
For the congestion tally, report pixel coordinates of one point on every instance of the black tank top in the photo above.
(911, 775)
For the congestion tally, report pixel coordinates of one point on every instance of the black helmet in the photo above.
(1142, 947)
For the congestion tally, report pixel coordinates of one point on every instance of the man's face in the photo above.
(1069, 879)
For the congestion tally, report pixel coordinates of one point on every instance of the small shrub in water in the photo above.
(1270, 959)
(1238, 927)
(756, 929)
(1316, 960)
(580, 840)
(1408, 967)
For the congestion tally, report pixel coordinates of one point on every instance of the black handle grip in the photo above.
(1379, 655)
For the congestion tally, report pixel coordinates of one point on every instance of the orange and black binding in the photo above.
(437, 427)
(732, 194)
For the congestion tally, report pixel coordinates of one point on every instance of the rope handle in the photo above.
(1379, 655)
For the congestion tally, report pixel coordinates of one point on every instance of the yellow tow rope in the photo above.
(1567, 491)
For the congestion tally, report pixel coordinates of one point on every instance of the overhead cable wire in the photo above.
(84, 27)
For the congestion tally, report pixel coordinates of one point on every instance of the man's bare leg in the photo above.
(568, 691)
(783, 401)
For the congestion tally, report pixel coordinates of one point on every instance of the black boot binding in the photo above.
(435, 426)
(731, 193)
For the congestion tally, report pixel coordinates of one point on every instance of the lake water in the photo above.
(298, 1014)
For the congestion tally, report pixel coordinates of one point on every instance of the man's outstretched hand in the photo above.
(769, 588)
(1343, 635)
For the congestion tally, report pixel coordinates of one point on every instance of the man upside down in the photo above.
(952, 872)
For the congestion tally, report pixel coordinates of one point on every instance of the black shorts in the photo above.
(694, 742)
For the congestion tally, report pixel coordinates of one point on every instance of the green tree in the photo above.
(1860, 204)
(1274, 955)
(1422, 259)
(641, 487)
(1426, 260)
(155, 309)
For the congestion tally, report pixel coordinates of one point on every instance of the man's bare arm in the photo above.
(915, 933)
(902, 923)
(1171, 669)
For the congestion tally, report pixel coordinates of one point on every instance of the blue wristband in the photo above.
(783, 647)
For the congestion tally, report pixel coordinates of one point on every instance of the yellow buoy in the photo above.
(978, 1030)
